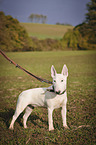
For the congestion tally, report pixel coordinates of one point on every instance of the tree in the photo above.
(31, 17)
(91, 21)
(36, 18)
(85, 32)
(44, 18)
(13, 37)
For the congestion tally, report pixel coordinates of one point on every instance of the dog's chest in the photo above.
(56, 102)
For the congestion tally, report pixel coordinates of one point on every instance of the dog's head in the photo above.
(59, 80)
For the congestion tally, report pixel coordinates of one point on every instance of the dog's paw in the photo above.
(11, 127)
(66, 127)
(25, 127)
(51, 128)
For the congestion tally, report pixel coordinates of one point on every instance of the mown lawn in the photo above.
(81, 98)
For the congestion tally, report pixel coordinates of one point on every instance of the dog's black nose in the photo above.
(58, 92)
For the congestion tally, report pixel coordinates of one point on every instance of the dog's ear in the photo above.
(65, 70)
(53, 71)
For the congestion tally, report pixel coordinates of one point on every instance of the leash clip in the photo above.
(16, 65)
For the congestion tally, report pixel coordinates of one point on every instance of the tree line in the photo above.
(36, 18)
(83, 36)
(66, 24)
(13, 37)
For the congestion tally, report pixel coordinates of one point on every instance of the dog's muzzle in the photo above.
(59, 93)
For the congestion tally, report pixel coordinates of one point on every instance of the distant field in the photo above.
(43, 31)
(81, 105)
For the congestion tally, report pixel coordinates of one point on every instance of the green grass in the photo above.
(43, 31)
(81, 105)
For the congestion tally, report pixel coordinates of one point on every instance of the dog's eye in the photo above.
(61, 80)
(54, 81)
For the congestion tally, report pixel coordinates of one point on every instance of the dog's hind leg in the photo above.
(26, 115)
(19, 109)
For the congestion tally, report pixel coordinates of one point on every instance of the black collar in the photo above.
(52, 90)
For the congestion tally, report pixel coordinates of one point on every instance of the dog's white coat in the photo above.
(41, 97)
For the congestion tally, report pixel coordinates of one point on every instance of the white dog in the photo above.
(52, 97)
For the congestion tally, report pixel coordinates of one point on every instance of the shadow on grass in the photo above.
(33, 118)
(7, 114)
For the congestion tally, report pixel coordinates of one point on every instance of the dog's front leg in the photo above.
(50, 119)
(63, 112)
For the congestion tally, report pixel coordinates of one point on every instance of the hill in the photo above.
(15, 36)
(44, 31)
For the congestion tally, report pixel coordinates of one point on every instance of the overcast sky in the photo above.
(62, 11)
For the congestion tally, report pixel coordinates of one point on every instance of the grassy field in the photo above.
(43, 31)
(81, 105)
